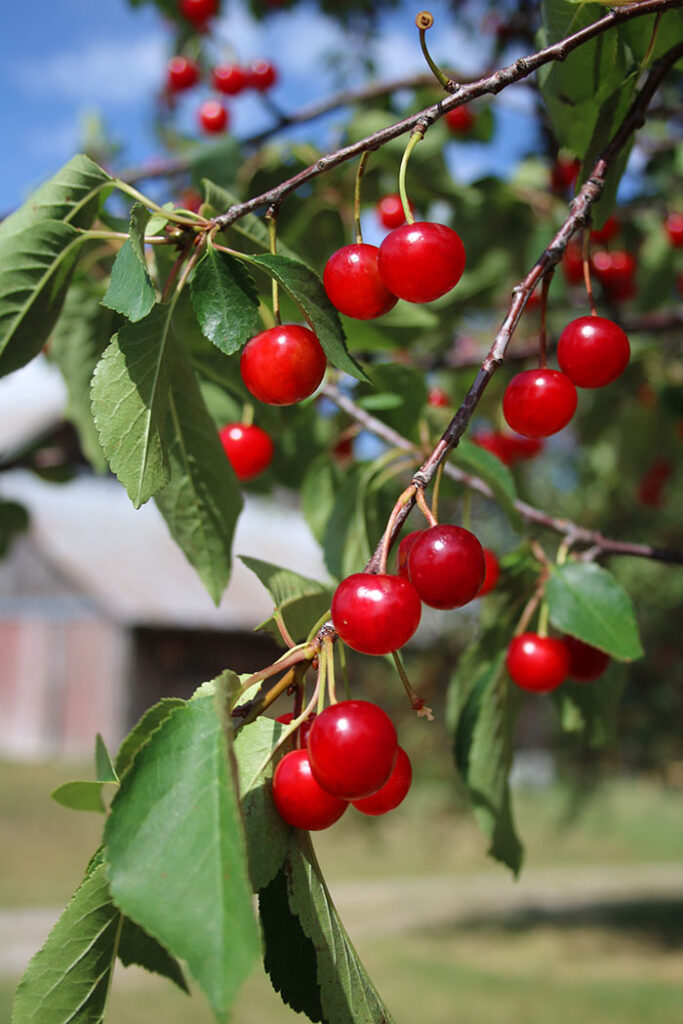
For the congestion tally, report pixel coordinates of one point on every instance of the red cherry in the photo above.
(249, 449)
(460, 120)
(533, 302)
(262, 75)
(181, 74)
(352, 748)
(230, 79)
(652, 484)
(616, 273)
(392, 792)
(537, 663)
(213, 117)
(404, 550)
(353, 285)
(509, 448)
(390, 211)
(492, 573)
(190, 199)
(564, 173)
(674, 229)
(438, 398)
(572, 264)
(375, 614)
(198, 11)
(300, 800)
(607, 232)
(538, 403)
(585, 662)
(302, 732)
(446, 565)
(593, 351)
(283, 365)
(422, 261)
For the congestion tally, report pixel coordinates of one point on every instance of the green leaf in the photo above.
(13, 521)
(225, 301)
(176, 853)
(307, 291)
(587, 602)
(475, 459)
(68, 979)
(144, 728)
(104, 769)
(399, 396)
(137, 947)
(266, 832)
(591, 708)
(300, 601)
(220, 161)
(35, 271)
(72, 195)
(250, 226)
(321, 483)
(346, 992)
(80, 796)
(78, 341)
(202, 500)
(130, 400)
(131, 291)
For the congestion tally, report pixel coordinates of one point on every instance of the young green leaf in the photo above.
(225, 301)
(176, 852)
(476, 460)
(299, 600)
(586, 601)
(104, 769)
(35, 272)
(202, 500)
(82, 795)
(130, 400)
(131, 291)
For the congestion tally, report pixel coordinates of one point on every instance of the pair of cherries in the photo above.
(417, 262)
(542, 663)
(592, 352)
(351, 756)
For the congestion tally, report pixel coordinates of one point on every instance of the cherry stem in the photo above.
(328, 646)
(545, 287)
(543, 616)
(653, 39)
(271, 219)
(175, 270)
(356, 196)
(585, 255)
(417, 703)
(467, 509)
(280, 622)
(436, 490)
(415, 137)
(321, 681)
(407, 496)
(247, 420)
(184, 219)
(424, 21)
(421, 503)
(345, 671)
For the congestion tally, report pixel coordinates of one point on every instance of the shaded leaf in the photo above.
(131, 291)
(137, 947)
(225, 301)
(475, 459)
(586, 601)
(300, 601)
(250, 226)
(130, 401)
(591, 708)
(321, 483)
(14, 520)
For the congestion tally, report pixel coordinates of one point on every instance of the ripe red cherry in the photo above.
(181, 74)
(353, 285)
(198, 11)
(302, 732)
(300, 800)
(616, 273)
(538, 403)
(375, 614)
(249, 449)
(674, 229)
(460, 120)
(283, 365)
(392, 792)
(607, 232)
(572, 264)
(213, 117)
(421, 261)
(262, 75)
(537, 663)
(509, 448)
(438, 398)
(446, 565)
(352, 747)
(390, 211)
(585, 662)
(492, 573)
(593, 351)
(230, 79)
(404, 550)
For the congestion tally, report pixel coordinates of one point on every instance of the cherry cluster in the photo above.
(348, 754)
(542, 663)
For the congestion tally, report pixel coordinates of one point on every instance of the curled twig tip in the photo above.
(424, 20)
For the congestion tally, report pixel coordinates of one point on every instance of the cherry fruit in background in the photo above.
(262, 75)
(616, 271)
(422, 261)
(249, 449)
(198, 11)
(230, 79)
(213, 117)
(572, 264)
(446, 565)
(437, 398)
(283, 365)
(352, 748)
(302, 732)
(491, 574)
(394, 790)
(181, 74)
(609, 230)
(509, 448)
(390, 211)
(564, 173)
(353, 283)
(585, 662)
(538, 403)
(537, 663)
(375, 613)
(593, 351)
(674, 229)
(300, 800)
(460, 120)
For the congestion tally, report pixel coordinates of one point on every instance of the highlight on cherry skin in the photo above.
(249, 449)
(283, 365)
(538, 403)
(352, 747)
(375, 613)
(537, 663)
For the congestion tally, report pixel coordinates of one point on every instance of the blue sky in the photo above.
(68, 59)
